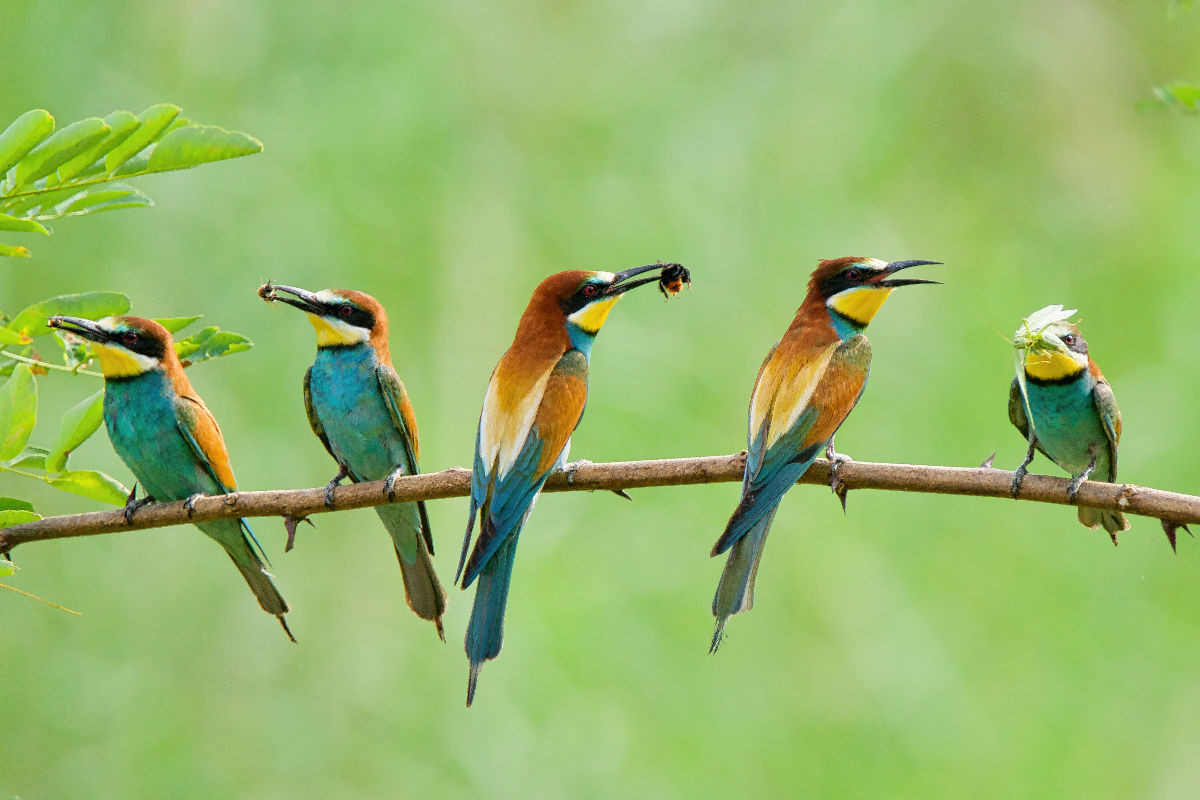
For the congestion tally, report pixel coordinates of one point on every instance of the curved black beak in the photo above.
(896, 266)
(620, 285)
(301, 298)
(80, 327)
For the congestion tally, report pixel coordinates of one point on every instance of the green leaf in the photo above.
(10, 518)
(30, 458)
(43, 203)
(14, 251)
(115, 196)
(13, 504)
(200, 144)
(176, 324)
(18, 411)
(1181, 97)
(92, 305)
(11, 337)
(210, 343)
(6, 569)
(22, 136)
(79, 423)
(93, 484)
(8, 223)
(60, 147)
(152, 123)
(121, 126)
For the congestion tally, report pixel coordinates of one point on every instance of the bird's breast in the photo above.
(349, 403)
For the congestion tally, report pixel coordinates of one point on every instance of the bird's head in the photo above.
(125, 346)
(341, 317)
(583, 299)
(853, 289)
(1048, 347)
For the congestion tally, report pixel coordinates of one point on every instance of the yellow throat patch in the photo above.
(1051, 366)
(859, 304)
(332, 333)
(591, 317)
(116, 362)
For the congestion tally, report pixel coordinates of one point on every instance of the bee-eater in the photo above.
(359, 409)
(807, 385)
(534, 401)
(167, 437)
(1075, 421)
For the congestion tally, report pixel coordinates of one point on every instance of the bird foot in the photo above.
(836, 460)
(1078, 480)
(190, 504)
(389, 487)
(573, 467)
(329, 487)
(132, 504)
(1018, 478)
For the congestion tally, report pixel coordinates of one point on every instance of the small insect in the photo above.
(267, 292)
(672, 279)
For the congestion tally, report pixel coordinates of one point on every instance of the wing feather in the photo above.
(1110, 419)
(504, 495)
(201, 431)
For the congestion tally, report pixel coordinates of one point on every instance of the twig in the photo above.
(456, 482)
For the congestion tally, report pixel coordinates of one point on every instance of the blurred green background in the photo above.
(447, 156)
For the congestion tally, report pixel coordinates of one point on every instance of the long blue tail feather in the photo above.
(735, 592)
(485, 630)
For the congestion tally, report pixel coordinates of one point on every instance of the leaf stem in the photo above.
(39, 363)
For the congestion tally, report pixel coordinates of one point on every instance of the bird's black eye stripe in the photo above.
(590, 290)
(142, 345)
(352, 314)
(853, 274)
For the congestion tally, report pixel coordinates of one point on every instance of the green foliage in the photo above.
(47, 174)
(210, 342)
(1180, 97)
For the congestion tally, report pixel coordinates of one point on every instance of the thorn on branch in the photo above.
(290, 523)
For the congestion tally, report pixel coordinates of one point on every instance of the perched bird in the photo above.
(358, 408)
(167, 437)
(808, 383)
(534, 401)
(1075, 421)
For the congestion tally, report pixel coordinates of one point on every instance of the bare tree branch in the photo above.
(1171, 507)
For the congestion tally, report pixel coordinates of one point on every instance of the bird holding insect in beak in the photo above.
(167, 437)
(534, 401)
(807, 385)
(359, 409)
(1064, 407)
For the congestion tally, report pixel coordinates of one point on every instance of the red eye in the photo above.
(345, 311)
(129, 338)
(853, 274)
(1069, 339)
(590, 290)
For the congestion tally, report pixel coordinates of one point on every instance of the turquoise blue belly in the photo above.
(140, 416)
(1068, 426)
(349, 403)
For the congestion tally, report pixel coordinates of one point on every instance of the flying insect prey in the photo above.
(534, 401)
(167, 437)
(807, 385)
(359, 409)
(1064, 407)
